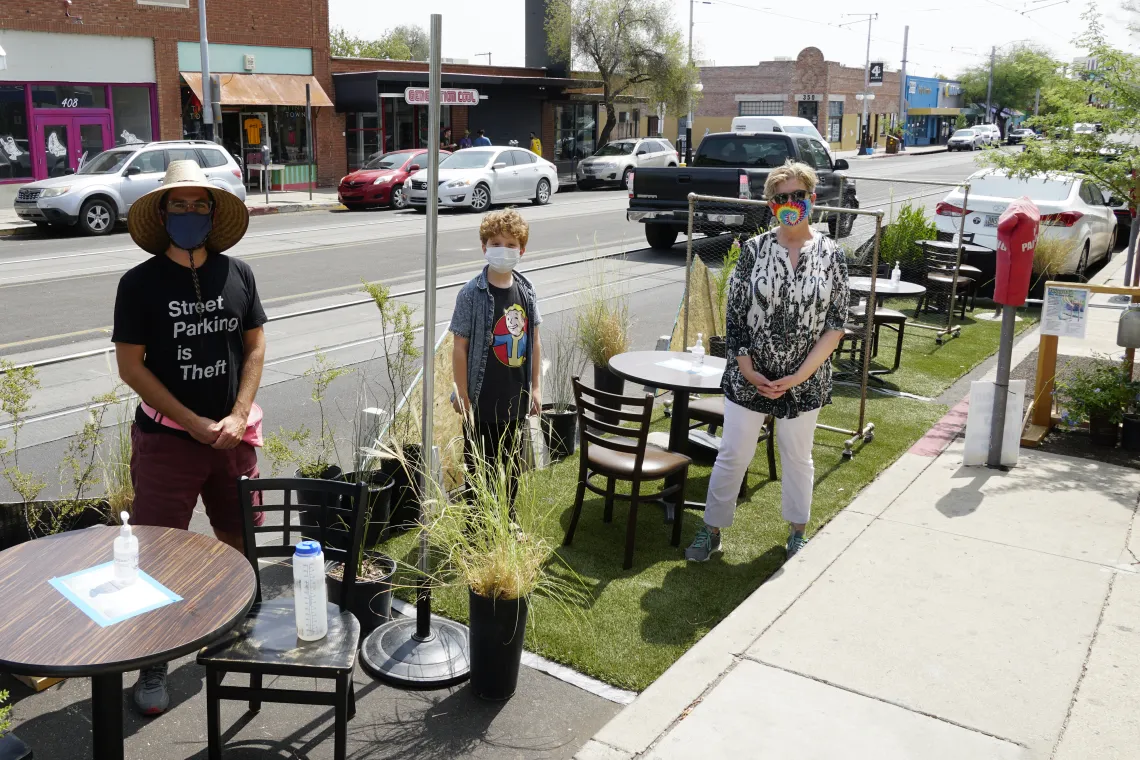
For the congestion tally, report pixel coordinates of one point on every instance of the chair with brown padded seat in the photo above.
(618, 453)
(893, 320)
(709, 410)
(940, 268)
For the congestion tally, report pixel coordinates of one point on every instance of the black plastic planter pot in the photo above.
(14, 524)
(372, 600)
(560, 429)
(405, 502)
(11, 748)
(498, 628)
(607, 381)
(380, 489)
(1130, 433)
(310, 518)
(1103, 431)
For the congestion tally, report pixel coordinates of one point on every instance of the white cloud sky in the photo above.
(945, 37)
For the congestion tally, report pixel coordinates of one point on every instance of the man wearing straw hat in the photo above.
(189, 340)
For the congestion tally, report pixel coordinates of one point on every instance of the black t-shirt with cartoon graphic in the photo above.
(197, 357)
(504, 378)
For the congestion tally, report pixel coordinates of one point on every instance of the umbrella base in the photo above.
(393, 654)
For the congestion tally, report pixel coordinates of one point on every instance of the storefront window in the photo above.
(287, 131)
(361, 138)
(761, 108)
(191, 115)
(835, 121)
(131, 107)
(15, 155)
(69, 96)
(575, 131)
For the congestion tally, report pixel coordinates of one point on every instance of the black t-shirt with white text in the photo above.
(197, 357)
(504, 380)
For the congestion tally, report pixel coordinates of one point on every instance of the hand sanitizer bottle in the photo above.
(896, 274)
(698, 354)
(126, 552)
(310, 598)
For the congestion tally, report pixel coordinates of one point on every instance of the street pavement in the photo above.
(948, 612)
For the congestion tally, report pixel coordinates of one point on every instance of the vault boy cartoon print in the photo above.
(510, 336)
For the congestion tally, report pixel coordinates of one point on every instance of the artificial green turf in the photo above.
(927, 368)
(638, 622)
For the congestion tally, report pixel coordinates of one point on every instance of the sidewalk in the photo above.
(881, 152)
(947, 612)
(279, 203)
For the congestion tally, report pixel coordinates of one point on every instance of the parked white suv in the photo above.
(104, 188)
(615, 161)
(990, 133)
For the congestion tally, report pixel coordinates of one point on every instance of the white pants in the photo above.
(737, 447)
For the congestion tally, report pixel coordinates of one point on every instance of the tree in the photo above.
(403, 43)
(1107, 96)
(633, 45)
(1017, 75)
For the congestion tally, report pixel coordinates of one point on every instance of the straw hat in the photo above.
(231, 217)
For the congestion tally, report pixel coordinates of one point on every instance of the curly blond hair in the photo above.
(507, 222)
(791, 170)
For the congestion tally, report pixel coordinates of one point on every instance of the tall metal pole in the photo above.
(309, 135)
(689, 122)
(427, 651)
(866, 129)
(1001, 386)
(990, 87)
(207, 101)
(902, 86)
(1036, 101)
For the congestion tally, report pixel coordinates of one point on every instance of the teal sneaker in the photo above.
(796, 541)
(704, 545)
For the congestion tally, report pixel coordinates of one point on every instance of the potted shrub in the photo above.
(898, 237)
(602, 327)
(560, 414)
(1098, 393)
(720, 285)
(310, 456)
(502, 563)
(372, 600)
(11, 748)
(396, 455)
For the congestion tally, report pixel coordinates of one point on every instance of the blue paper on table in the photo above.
(107, 601)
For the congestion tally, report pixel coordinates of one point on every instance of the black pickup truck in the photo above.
(659, 197)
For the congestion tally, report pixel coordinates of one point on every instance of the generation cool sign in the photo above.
(421, 96)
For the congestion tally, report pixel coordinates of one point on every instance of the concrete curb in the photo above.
(671, 697)
(901, 155)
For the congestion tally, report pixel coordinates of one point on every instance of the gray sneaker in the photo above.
(796, 541)
(704, 545)
(151, 697)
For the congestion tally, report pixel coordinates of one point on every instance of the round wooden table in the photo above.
(43, 634)
(644, 367)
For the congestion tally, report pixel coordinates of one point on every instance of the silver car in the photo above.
(105, 186)
(966, 139)
(614, 162)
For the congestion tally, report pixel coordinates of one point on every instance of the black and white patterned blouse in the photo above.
(778, 315)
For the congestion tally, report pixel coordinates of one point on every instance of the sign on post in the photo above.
(421, 96)
(1065, 312)
(875, 78)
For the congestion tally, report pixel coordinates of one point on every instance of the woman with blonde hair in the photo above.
(787, 304)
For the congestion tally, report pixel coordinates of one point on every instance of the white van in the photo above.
(793, 124)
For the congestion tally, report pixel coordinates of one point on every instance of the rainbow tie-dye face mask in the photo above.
(790, 211)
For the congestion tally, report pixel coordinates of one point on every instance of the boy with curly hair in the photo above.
(497, 355)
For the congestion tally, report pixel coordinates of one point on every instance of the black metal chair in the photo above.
(940, 268)
(625, 456)
(266, 642)
(884, 317)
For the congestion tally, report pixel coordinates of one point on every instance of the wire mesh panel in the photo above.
(718, 226)
(921, 226)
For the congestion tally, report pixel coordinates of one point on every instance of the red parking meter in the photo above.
(1017, 239)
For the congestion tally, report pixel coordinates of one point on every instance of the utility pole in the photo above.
(207, 101)
(1037, 101)
(864, 129)
(689, 123)
(902, 85)
(990, 87)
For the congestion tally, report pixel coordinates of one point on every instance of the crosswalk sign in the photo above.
(876, 74)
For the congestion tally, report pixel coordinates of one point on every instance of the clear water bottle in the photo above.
(698, 352)
(310, 598)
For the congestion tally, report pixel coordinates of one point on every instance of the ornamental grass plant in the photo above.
(602, 317)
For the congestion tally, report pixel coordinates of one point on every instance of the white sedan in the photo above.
(477, 178)
(966, 139)
(1072, 209)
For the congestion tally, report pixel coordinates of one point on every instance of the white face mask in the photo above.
(502, 259)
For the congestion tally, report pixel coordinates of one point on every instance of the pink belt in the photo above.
(252, 429)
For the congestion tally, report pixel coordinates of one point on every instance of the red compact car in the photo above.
(380, 182)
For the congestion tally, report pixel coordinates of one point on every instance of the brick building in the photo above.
(816, 89)
(85, 77)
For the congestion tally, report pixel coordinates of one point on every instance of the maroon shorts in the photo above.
(170, 472)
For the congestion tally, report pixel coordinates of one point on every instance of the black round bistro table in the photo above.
(43, 634)
(645, 367)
